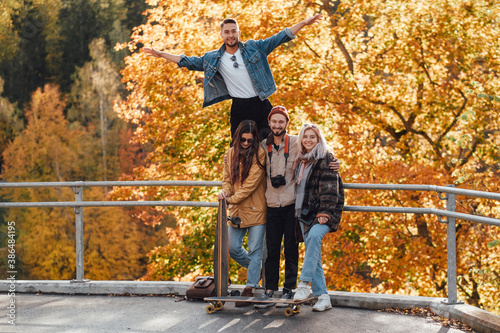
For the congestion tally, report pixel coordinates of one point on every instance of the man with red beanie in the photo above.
(282, 151)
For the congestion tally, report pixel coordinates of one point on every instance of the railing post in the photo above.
(79, 236)
(451, 249)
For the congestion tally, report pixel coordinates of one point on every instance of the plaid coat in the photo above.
(324, 194)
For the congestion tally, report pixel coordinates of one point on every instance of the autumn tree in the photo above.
(97, 85)
(400, 79)
(8, 39)
(6, 123)
(48, 151)
(43, 41)
(394, 86)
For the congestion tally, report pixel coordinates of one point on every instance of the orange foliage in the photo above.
(392, 83)
(48, 151)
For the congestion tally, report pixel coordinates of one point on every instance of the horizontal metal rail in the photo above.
(137, 183)
(430, 188)
(107, 204)
(79, 204)
(367, 209)
(437, 212)
(352, 186)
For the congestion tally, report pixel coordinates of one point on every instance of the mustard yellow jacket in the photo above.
(247, 201)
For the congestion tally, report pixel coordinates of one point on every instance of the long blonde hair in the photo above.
(319, 151)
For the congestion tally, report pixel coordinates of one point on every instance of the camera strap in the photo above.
(270, 153)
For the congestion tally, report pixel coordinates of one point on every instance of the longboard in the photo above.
(221, 252)
(217, 303)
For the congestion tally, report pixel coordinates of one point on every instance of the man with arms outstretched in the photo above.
(238, 71)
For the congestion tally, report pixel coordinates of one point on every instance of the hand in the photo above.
(305, 22)
(151, 52)
(221, 195)
(225, 158)
(335, 165)
(322, 220)
(313, 19)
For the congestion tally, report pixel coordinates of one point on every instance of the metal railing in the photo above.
(451, 215)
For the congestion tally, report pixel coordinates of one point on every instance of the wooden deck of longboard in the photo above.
(221, 252)
(256, 300)
(217, 303)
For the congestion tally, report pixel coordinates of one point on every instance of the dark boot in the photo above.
(247, 292)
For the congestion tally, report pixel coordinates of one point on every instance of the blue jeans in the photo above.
(250, 259)
(312, 269)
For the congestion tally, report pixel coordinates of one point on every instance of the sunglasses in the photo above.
(243, 140)
(310, 125)
(235, 64)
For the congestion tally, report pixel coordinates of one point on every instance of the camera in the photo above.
(278, 181)
(236, 220)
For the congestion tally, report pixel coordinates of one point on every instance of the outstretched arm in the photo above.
(308, 21)
(159, 54)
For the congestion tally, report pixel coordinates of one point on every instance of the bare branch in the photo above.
(455, 119)
(347, 56)
(475, 142)
(409, 128)
(423, 64)
(310, 48)
(332, 12)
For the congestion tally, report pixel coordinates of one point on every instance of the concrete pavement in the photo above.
(64, 306)
(94, 313)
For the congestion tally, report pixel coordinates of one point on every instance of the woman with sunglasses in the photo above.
(318, 207)
(244, 188)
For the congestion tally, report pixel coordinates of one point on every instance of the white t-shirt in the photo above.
(237, 80)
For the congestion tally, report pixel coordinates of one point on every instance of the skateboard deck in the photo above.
(221, 252)
(217, 303)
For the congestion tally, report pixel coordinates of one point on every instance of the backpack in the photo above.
(204, 286)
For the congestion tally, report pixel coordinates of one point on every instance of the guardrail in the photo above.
(451, 215)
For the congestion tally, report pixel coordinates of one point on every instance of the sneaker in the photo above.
(247, 292)
(303, 291)
(287, 295)
(323, 303)
(264, 297)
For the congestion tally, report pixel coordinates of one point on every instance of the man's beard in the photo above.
(232, 45)
(280, 133)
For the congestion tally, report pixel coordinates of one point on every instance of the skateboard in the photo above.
(217, 303)
(221, 252)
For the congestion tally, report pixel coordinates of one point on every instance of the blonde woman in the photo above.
(318, 208)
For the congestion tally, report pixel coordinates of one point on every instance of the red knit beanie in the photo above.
(279, 109)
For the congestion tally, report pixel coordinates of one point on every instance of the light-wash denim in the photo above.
(250, 259)
(254, 54)
(312, 269)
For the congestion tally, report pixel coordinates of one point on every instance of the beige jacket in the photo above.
(247, 201)
(283, 195)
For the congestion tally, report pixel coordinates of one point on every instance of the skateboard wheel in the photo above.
(219, 305)
(210, 308)
(288, 312)
(296, 308)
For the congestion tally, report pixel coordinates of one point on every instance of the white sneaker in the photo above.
(323, 303)
(302, 292)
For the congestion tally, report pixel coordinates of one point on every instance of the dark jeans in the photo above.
(251, 109)
(281, 222)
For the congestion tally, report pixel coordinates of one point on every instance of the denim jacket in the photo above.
(254, 54)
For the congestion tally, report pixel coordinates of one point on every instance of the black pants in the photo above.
(251, 109)
(281, 222)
